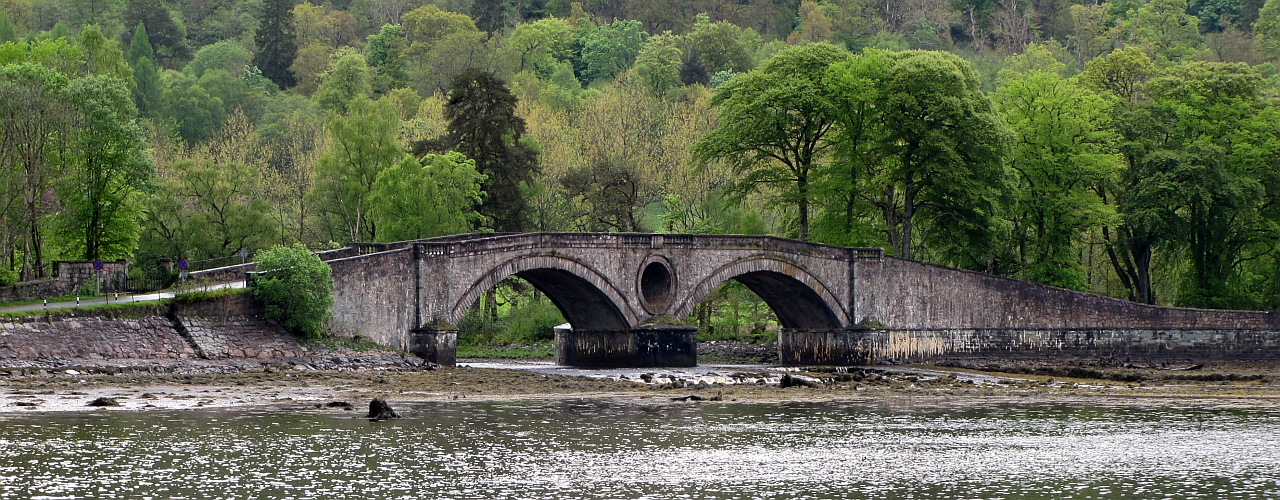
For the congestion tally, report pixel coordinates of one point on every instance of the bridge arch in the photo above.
(796, 296)
(587, 299)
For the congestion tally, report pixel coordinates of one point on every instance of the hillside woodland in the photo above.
(1127, 147)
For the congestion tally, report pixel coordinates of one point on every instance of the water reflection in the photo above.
(615, 449)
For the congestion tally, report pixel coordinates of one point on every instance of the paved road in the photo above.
(123, 299)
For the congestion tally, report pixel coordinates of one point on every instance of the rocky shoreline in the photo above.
(333, 379)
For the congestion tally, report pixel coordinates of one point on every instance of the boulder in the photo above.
(380, 410)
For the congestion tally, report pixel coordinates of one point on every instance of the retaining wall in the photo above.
(229, 327)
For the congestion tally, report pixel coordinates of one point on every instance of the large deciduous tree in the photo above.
(775, 126)
(432, 197)
(362, 144)
(107, 168)
(944, 146)
(1062, 153)
(33, 116)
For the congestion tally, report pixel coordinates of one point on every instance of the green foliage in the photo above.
(346, 79)
(483, 125)
(7, 33)
(539, 46)
(208, 209)
(275, 42)
(1167, 31)
(227, 55)
(107, 170)
(294, 287)
(164, 29)
(1061, 155)
(514, 314)
(103, 56)
(385, 54)
(434, 197)
(196, 111)
(1266, 30)
(774, 126)
(607, 51)
(659, 63)
(715, 47)
(362, 145)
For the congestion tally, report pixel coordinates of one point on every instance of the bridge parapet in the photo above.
(482, 243)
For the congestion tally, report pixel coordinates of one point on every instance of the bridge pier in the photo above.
(437, 345)
(837, 347)
(643, 346)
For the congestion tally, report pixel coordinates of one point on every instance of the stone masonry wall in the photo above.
(35, 338)
(908, 295)
(1124, 345)
(374, 296)
(229, 327)
(69, 277)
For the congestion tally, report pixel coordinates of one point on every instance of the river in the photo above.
(650, 448)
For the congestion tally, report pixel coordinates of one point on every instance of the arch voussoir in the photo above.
(797, 284)
(546, 269)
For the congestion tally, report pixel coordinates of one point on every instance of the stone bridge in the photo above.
(626, 296)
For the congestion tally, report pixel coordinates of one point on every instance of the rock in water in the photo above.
(380, 410)
(104, 401)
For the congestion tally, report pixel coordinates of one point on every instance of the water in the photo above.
(647, 449)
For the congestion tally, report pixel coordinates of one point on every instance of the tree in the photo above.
(608, 50)
(196, 112)
(7, 33)
(775, 124)
(362, 144)
(715, 47)
(1266, 30)
(385, 54)
(107, 168)
(658, 63)
(1216, 152)
(227, 55)
(538, 46)
(32, 119)
(346, 79)
(814, 26)
(276, 43)
(295, 288)
(944, 145)
(429, 24)
(163, 29)
(483, 126)
(1169, 32)
(1063, 151)
(433, 197)
(147, 91)
(1144, 199)
(103, 56)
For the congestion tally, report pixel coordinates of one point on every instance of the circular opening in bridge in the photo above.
(656, 285)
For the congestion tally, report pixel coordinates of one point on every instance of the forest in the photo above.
(1129, 148)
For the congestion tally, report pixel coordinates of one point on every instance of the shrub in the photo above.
(294, 288)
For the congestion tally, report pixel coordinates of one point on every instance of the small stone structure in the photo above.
(70, 277)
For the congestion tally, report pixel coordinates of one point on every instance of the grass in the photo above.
(507, 351)
(132, 310)
(198, 296)
(63, 298)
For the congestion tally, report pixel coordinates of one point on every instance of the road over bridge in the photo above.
(626, 296)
